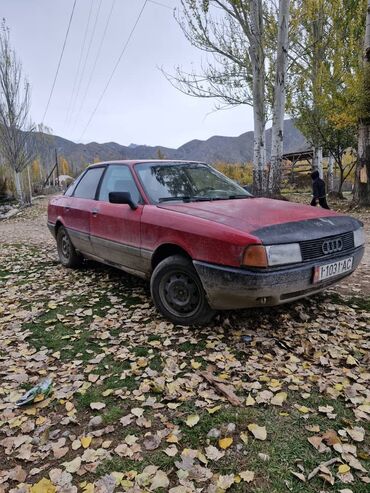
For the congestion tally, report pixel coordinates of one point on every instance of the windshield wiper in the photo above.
(240, 196)
(195, 198)
(184, 198)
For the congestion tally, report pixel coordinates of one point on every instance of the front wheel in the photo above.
(66, 251)
(178, 293)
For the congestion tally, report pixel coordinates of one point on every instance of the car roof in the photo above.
(131, 162)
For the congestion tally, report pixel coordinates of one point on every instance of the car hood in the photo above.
(271, 220)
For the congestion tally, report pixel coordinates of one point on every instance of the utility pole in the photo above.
(57, 166)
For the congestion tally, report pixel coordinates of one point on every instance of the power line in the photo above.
(161, 4)
(114, 68)
(60, 61)
(87, 55)
(79, 62)
(96, 58)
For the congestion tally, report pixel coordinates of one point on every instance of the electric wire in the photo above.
(79, 63)
(96, 59)
(60, 61)
(161, 4)
(114, 69)
(86, 57)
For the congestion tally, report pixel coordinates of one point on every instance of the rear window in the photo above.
(86, 188)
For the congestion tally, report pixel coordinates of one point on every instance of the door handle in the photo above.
(95, 212)
(67, 208)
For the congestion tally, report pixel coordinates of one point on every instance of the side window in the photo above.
(70, 189)
(118, 178)
(86, 188)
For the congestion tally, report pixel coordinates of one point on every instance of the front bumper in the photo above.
(228, 288)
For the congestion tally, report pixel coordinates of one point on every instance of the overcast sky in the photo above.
(140, 106)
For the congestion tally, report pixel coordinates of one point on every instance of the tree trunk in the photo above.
(317, 160)
(330, 173)
(341, 179)
(362, 187)
(277, 136)
(259, 151)
(259, 108)
(29, 184)
(18, 187)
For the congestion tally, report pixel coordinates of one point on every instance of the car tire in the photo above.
(66, 251)
(178, 293)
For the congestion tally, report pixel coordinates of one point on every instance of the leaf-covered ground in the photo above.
(139, 405)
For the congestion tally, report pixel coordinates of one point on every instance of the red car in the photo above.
(203, 241)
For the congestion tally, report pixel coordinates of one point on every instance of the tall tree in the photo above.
(362, 190)
(233, 32)
(16, 143)
(277, 137)
(325, 66)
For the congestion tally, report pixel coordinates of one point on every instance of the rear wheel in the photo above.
(66, 251)
(178, 293)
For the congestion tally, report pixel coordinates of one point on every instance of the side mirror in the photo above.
(122, 198)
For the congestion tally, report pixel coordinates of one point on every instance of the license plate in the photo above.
(334, 269)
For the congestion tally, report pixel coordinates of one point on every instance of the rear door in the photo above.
(115, 228)
(79, 208)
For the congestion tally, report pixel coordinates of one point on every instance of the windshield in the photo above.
(187, 182)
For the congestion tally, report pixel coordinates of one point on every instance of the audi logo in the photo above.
(332, 246)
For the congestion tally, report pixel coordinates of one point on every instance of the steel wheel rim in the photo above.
(180, 293)
(65, 247)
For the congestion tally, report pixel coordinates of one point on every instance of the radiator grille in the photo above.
(312, 249)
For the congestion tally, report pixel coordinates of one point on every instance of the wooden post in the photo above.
(29, 183)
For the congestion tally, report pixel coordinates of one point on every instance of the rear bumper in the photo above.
(229, 288)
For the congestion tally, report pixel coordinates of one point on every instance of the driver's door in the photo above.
(115, 228)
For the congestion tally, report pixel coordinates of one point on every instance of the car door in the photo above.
(80, 206)
(115, 228)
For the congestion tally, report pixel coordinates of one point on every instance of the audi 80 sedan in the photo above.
(204, 242)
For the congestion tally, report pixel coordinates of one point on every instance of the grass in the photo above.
(286, 445)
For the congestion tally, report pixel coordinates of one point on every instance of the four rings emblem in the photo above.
(332, 246)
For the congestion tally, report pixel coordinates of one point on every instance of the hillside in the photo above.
(216, 148)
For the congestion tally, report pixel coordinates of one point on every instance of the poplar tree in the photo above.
(362, 189)
(16, 129)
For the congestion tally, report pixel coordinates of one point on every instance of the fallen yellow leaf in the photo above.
(213, 410)
(43, 486)
(225, 443)
(244, 437)
(279, 398)
(85, 441)
(192, 420)
(247, 476)
(303, 409)
(69, 406)
(343, 469)
(250, 401)
(258, 432)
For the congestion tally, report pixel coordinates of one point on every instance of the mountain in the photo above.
(217, 148)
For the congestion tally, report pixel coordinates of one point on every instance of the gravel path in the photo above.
(29, 226)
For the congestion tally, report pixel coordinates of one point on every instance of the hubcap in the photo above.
(179, 293)
(65, 246)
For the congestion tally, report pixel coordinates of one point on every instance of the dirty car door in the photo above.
(115, 228)
(79, 207)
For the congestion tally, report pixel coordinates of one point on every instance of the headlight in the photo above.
(359, 237)
(269, 256)
(290, 253)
